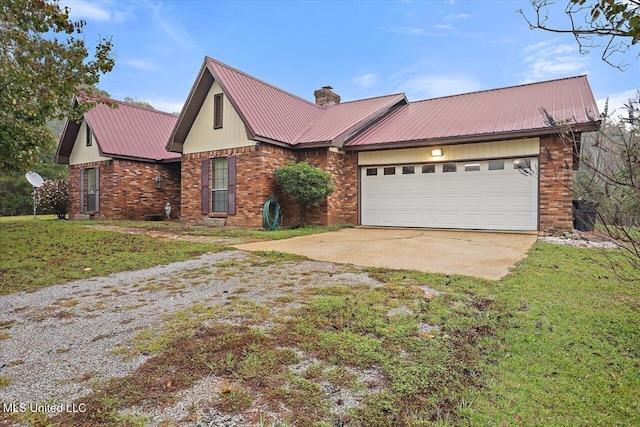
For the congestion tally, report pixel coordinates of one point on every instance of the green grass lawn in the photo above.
(556, 342)
(45, 252)
(241, 235)
(568, 350)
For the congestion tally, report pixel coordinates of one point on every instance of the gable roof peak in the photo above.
(235, 70)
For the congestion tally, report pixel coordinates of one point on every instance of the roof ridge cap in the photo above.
(142, 107)
(263, 82)
(370, 98)
(499, 88)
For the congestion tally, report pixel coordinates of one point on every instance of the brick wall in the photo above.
(127, 189)
(255, 183)
(341, 206)
(556, 185)
(135, 193)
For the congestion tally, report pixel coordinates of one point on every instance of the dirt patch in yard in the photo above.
(238, 339)
(64, 343)
(165, 234)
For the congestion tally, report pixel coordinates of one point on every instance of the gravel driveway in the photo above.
(59, 341)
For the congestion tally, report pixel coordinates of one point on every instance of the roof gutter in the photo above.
(582, 127)
(271, 141)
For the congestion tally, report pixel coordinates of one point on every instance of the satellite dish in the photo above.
(34, 179)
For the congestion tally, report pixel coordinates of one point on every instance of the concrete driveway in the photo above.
(482, 254)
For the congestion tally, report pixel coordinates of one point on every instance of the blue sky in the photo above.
(362, 49)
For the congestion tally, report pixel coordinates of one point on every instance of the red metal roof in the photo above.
(340, 120)
(275, 114)
(499, 111)
(268, 111)
(132, 131)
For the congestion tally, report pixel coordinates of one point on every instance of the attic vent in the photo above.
(217, 111)
(89, 136)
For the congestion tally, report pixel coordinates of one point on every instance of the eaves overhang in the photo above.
(488, 137)
(190, 110)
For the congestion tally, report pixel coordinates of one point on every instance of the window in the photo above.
(219, 185)
(408, 170)
(89, 134)
(217, 111)
(391, 170)
(89, 192)
(473, 167)
(428, 168)
(449, 167)
(496, 165)
(372, 171)
(522, 164)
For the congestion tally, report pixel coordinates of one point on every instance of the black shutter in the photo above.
(81, 190)
(205, 186)
(231, 184)
(97, 189)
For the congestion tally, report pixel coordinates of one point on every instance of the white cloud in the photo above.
(444, 27)
(141, 64)
(166, 104)
(172, 28)
(103, 11)
(366, 80)
(433, 86)
(412, 31)
(545, 60)
(617, 101)
(463, 16)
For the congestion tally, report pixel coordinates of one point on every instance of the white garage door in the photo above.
(487, 194)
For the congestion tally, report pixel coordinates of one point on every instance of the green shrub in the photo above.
(307, 184)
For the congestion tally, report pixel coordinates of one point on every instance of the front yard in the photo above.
(272, 339)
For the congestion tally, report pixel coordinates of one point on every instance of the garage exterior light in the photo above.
(436, 152)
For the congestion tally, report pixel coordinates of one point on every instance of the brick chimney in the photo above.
(326, 96)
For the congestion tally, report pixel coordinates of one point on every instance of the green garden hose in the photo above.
(271, 222)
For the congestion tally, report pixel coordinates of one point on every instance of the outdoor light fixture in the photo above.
(436, 152)
(158, 181)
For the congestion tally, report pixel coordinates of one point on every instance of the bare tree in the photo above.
(610, 25)
(608, 180)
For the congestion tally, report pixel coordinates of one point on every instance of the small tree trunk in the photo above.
(303, 214)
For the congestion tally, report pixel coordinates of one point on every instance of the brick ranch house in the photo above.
(482, 160)
(118, 166)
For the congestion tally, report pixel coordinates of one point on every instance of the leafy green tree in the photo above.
(307, 184)
(43, 63)
(612, 25)
(145, 104)
(16, 192)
